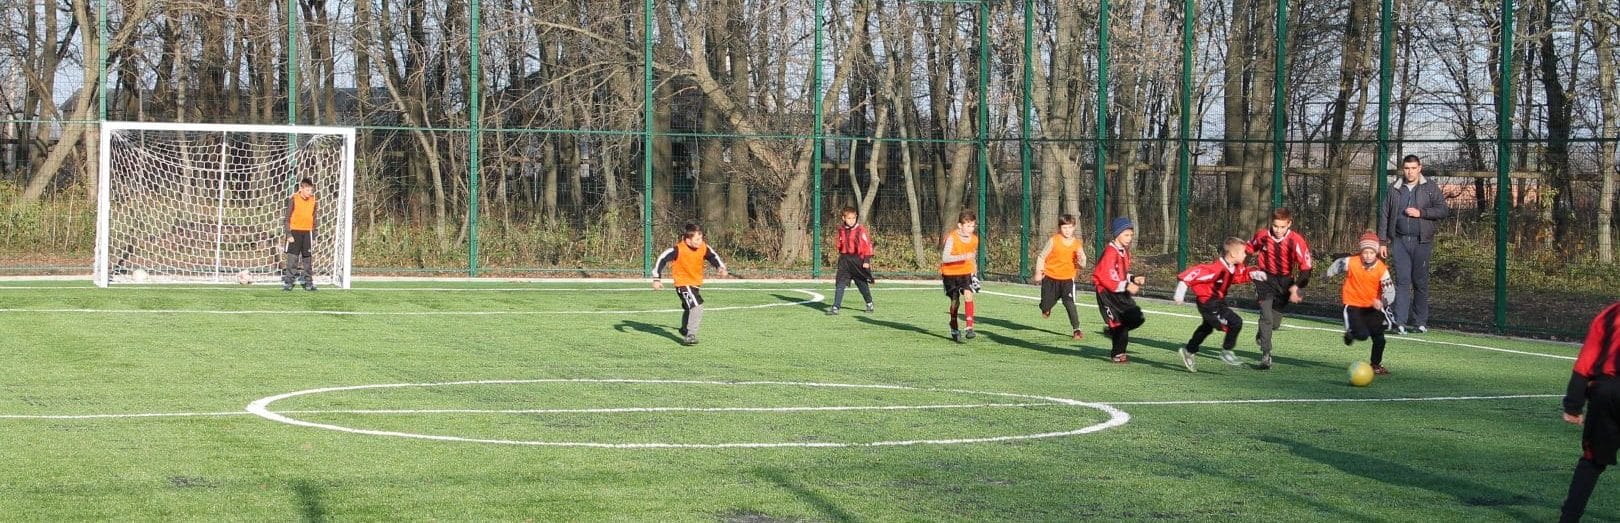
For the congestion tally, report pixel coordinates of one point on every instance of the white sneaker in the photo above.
(1230, 359)
(1187, 360)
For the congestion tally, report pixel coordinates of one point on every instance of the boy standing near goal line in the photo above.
(1057, 266)
(685, 260)
(300, 221)
(959, 271)
(854, 260)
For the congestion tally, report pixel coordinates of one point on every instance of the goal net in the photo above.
(201, 203)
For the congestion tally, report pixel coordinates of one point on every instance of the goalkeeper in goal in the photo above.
(300, 221)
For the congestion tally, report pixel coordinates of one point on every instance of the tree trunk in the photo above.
(1604, 35)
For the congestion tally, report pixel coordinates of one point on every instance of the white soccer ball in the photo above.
(244, 277)
(140, 275)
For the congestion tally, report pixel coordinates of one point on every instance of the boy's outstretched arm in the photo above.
(1040, 261)
(658, 268)
(714, 259)
(1340, 265)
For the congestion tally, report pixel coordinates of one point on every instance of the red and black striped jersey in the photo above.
(1280, 256)
(1599, 358)
(854, 241)
(1600, 355)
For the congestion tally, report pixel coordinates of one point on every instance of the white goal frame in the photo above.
(337, 273)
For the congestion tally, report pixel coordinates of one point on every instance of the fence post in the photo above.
(1189, 13)
(646, 139)
(815, 145)
(1102, 125)
(475, 136)
(981, 135)
(1504, 153)
(1279, 112)
(1024, 152)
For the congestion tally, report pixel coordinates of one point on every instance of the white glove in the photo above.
(1257, 275)
(1339, 265)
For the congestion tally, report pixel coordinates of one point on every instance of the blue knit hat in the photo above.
(1120, 225)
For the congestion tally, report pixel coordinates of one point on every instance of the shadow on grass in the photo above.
(1467, 493)
(1014, 326)
(826, 507)
(648, 328)
(800, 300)
(309, 501)
(904, 327)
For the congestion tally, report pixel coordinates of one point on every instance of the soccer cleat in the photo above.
(956, 335)
(691, 339)
(1078, 335)
(832, 311)
(1121, 358)
(286, 286)
(1348, 339)
(1229, 358)
(1380, 370)
(309, 287)
(1187, 360)
(1046, 314)
(1399, 329)
(1421, 329)
(1265, 363)
(869, 308)
(968, 333)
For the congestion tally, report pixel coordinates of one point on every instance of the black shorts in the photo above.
(1220, 317)
(954, 285)
(690, 297)
(849, 268)
(1118, 308)
(300, 244)
(1600, 435)
(1053, 290)
(1363, 322)
(1276, 286)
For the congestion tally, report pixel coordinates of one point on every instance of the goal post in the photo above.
(201, 203)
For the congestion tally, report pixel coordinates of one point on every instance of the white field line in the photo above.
(815, 297)
(1116, 417)
(1407, 338)
(762, 409)
(1331, 400)
(645, 288)
(623, 410)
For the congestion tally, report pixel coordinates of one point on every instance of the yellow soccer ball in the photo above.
(1361, 374)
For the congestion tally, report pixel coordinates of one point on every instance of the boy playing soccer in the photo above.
(854, 260)
(959, 270)
(1281, 254)
(1209, 283)
(1115, 285)
(300, 219)
(1593, 387)
(685, 260)
(1055, 269)
(1368, 291)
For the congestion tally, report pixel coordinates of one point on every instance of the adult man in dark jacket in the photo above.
(1406, 225)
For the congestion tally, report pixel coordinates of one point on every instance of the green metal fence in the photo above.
(579, 214)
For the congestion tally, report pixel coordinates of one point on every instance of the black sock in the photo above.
(1580, 489)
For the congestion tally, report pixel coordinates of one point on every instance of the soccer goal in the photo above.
(201, 203)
